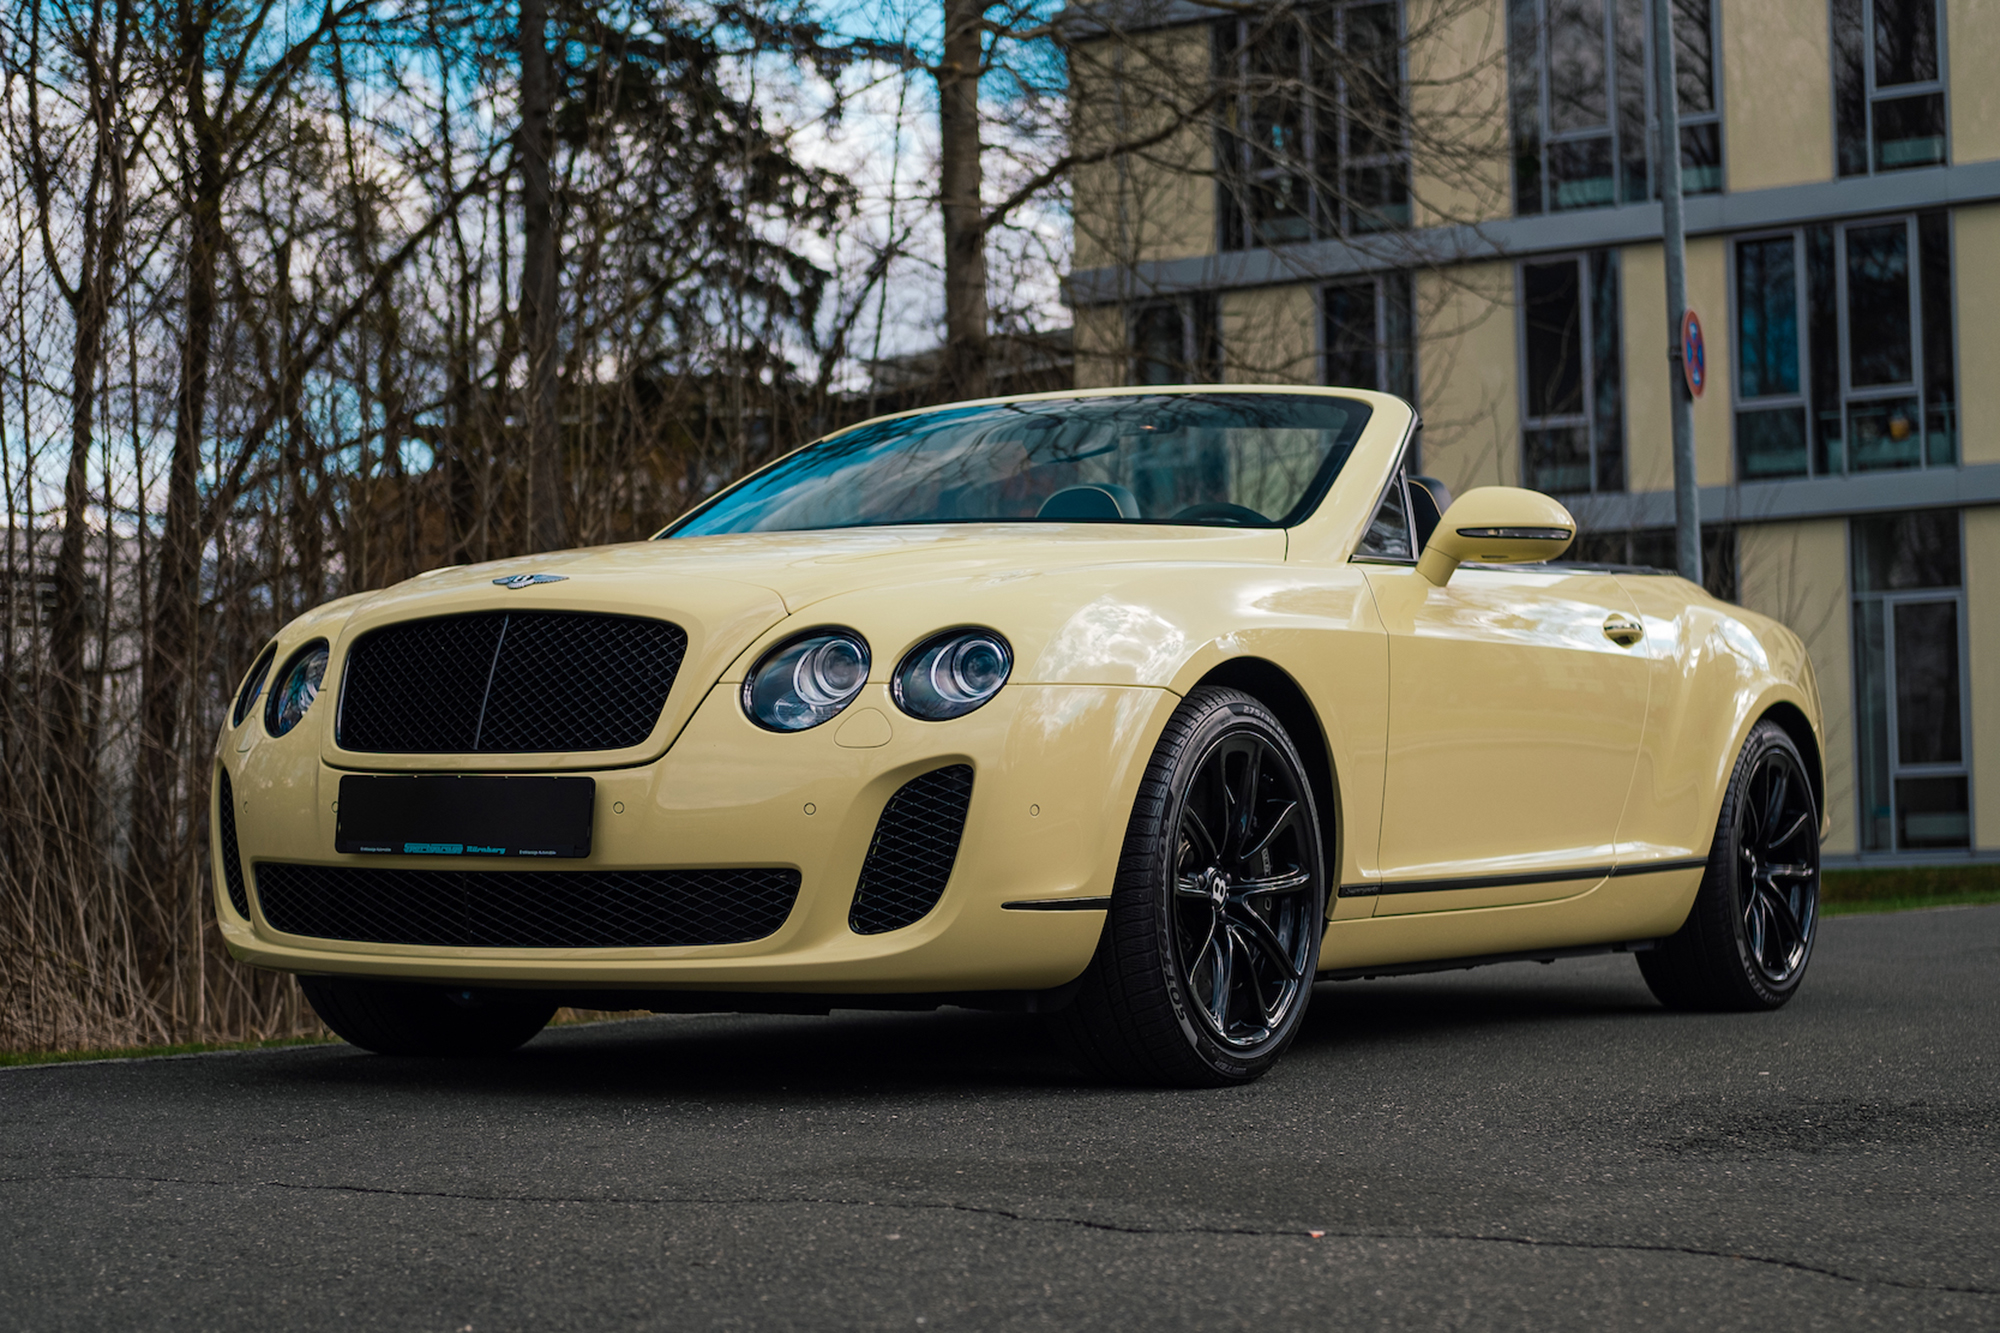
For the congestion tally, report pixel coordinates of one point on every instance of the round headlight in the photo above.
(952, 674)
(803, 683)
(297, 687)
(253, 686)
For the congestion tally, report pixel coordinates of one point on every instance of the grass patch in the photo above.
(141, 1052)
(563, 1018)
(1904, 888)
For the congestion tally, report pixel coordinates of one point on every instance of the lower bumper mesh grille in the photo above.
(232, 863)
(915, 845)
(528, 909)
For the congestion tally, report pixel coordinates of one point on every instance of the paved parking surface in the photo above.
(1523, 1146)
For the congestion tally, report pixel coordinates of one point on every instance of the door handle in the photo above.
(1622, 630)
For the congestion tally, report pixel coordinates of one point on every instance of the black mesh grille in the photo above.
(513, 682)
(232, 864)
(527, 909)
(911, 857)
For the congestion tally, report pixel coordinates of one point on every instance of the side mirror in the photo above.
(1497, 525)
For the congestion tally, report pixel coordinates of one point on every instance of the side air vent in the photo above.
(910, 859)
(526, 909)
(232, 863)
(519, 682)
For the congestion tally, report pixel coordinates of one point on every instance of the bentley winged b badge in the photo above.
(519, 581)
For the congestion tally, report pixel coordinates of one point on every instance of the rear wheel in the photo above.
(1206, 964)
(1750, 933)
(398, 1018)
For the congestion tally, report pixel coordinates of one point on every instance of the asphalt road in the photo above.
(1522, 1146)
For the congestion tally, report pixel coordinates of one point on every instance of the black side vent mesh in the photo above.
(232, 864)
(508, 682)
(526, 909)
(911, 857)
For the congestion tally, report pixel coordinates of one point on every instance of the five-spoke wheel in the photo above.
(1210, 946)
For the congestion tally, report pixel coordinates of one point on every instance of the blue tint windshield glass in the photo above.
(1258, 460)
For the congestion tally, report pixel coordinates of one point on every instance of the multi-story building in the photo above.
(1455, 200)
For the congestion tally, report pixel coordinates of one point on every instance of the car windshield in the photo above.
(1260, 460)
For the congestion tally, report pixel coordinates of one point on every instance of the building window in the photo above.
(1174, 342)
(1888, 85)
(1366, 335)
(1658, 549)
(1581, 104)
(1844, 349)
(1909, 682)
(1313, 141)
(1573, 420)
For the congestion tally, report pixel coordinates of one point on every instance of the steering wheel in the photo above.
(1219, 511)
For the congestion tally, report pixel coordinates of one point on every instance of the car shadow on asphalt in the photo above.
(1372, 1013)
(867, 1055)
(740, 1057)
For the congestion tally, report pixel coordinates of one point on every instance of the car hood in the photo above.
(729, 591)
(806, 567)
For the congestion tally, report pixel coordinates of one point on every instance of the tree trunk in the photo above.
(156, 824)
(959, 192)
(546, 527)
(70, 763)
(68, 769)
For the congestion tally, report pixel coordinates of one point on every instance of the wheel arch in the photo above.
(1792, 719)
(1274, 687)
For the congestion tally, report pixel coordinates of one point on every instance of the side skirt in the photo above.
(1375, 970)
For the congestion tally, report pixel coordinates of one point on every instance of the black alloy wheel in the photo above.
(1206, 965)
(1777, 846)
(1750, 934)
(1244, 901)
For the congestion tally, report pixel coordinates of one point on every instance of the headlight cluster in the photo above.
(298, 686)
(810, 679)
(806, 681)
(952, 674)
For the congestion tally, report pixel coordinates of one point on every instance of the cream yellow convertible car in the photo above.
(1143, 709)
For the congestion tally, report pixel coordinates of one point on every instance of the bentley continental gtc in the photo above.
(1145, 710)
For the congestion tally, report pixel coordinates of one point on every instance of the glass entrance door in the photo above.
(1909, 651)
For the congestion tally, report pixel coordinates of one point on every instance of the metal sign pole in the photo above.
(1687, 495)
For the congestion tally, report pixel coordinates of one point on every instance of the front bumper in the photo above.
(1056, 769)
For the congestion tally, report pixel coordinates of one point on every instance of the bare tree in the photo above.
(267, 316)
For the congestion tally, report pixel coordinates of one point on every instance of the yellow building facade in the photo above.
(1456, 201)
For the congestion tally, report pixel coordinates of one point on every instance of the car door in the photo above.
(1515, 717)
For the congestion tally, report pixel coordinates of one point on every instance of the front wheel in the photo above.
(1750, 933)
(1206, 964)
(398, 1018)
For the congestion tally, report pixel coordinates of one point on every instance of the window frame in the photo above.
(1386, 347)
(1399, 484)
(1687, 120)
(1741, 402)
(1615, 130)
(1587, 419)
(1871, 94)
(1201, 338)
(1896, 769)
(1237, 181)
(1918, 386)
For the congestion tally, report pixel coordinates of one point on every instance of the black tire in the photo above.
(400, 1018)
(1750, 933)
(1153, 1008)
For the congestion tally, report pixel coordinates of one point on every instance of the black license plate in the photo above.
(448, 815)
